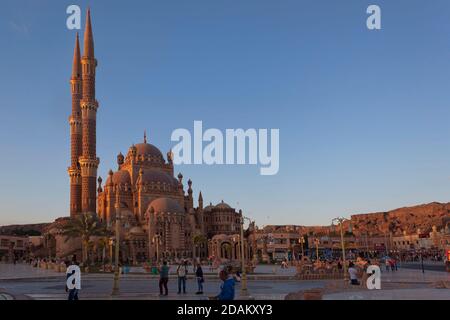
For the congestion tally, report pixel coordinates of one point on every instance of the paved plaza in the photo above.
(393, 294)
(22, 281)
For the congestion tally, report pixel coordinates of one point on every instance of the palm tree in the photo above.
(103, 244)
(84, 226)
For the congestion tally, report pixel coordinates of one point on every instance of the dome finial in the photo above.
(120, 159)
(170, 156)
(145, 136)
(99, 189)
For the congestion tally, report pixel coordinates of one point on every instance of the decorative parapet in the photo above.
(89, 109)
(89, 166)
(75, 175)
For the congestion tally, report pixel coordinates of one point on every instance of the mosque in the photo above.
(158, 217)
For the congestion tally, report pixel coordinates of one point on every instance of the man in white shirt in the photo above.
(353, 273)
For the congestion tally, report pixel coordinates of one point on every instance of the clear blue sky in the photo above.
(363, 115)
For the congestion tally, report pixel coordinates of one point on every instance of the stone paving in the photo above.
(393, 294)
(412, 275)
(25, 271)
(21, 271)
(259, 270)
(101, 288)
(23, 281)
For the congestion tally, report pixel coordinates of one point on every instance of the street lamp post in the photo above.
(244, 290)
(302, 242)
(344, 263)
(316, 242)
(385, 245)
(290, 252)
(367, 246)
(111, 243)
(156, 240)
(421, 261)
(150, 258)
(244, 271)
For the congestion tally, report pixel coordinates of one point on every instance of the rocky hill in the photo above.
(23, 229)
(410, 219)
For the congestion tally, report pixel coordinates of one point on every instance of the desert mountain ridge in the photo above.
(419, 218)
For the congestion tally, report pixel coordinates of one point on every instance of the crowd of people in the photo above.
(181, 269)
(426, 256)
(358, 269)
(226, 275)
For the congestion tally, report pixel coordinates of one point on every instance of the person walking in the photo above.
(353, 273)
(182, 273)
(391, 264)
(200, 279)
(163, 279)
(365, 276)
(73, 293)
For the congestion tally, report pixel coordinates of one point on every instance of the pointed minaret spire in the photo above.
(76, 147)
(88, 37)
(89, 105)
(76, 67)
(200, 201)
(145, 136)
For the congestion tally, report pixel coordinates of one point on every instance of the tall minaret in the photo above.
(75, 133)
(88, 161)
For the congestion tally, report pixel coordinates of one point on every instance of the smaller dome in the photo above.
(166, 205)
(157, 175)
(223, 205)
(120, 177)
(208, 207)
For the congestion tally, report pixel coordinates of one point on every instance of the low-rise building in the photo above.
(13, 247)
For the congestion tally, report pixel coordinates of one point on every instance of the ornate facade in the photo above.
(157, 215)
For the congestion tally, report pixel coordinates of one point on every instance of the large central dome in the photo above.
(157, 175)
(146, 150)
(166, 205)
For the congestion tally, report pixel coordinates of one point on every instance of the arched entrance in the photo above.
(226, 250)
